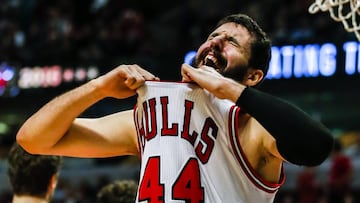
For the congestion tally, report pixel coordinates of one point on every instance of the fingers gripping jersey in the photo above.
(190, 150)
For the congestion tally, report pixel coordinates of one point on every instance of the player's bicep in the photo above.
(112, 135)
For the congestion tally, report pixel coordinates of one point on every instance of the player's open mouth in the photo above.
(217, 63)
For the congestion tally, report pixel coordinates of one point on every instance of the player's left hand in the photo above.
(209, 79)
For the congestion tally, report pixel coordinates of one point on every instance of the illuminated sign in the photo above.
(53, 76)
(311, 60)
(6, 76)
(302, 61)
(13, 79)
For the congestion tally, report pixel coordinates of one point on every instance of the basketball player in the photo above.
(33, 178)
(214, 138)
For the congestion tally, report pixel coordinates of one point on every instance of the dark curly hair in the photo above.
(31, 174)
(120, 191)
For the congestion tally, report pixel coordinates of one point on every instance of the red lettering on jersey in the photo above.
(166, 131)
(150, 134)
(142, 134)
(209, 125)
(150, 188)
(189, 105)
(209, 131)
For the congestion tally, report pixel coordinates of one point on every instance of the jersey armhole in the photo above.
(242, 159)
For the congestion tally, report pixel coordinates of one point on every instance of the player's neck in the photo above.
(28, 199)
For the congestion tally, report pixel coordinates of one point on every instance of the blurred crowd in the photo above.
(337, 184)
(153, 34)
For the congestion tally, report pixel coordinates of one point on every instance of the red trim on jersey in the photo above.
(135, 117)
(242, 159)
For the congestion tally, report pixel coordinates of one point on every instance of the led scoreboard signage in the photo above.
(14, 78)
(311, 60)
(287, 62)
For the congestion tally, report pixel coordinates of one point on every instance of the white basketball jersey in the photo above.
(190, 151)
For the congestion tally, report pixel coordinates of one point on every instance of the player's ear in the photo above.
(51, 187)
(253, 77)
(52, 184)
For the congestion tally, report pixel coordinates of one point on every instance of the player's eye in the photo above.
(233, 41)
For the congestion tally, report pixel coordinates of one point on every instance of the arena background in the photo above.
(49, 47)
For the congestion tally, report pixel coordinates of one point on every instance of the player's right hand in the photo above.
(122, 81)
(208, 78)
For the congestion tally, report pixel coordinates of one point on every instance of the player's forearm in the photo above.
(47, 126)
(299, 138)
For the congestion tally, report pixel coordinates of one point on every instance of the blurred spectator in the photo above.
(120, 191)
(33, 178)
(302, 32)
(280, 34)
(340, 175)
(353, 150)
(307, 187)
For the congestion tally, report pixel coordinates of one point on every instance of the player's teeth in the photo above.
(211, 58)
(207, 59)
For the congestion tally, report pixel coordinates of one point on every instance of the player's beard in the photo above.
(236, 73)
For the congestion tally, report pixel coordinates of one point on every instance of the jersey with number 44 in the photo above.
(190, 151)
